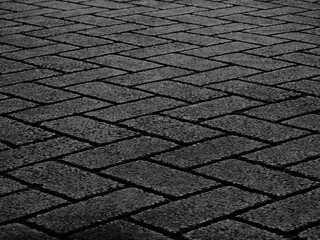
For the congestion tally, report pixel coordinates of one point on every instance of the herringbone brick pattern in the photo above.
(160, 119)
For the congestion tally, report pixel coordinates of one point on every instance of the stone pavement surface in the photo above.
(160, 119)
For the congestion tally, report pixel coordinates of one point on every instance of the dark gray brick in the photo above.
(276, 11)
(289, 152)
(155, 31)
(94, 20)
(89, 129)
(63, 179)
(226, 11)
(194, 38)
(311, 233)
(60, 63)
(254, 20)
(310, 121)
(288, 214)
(135, 109)
(125, 63)
(24, 41)
(189, 62)
(18, 231)
(198, 20)
(119, 230)
(200, 208)
(115, 153)
(147, 20)
(162, 179)
(231, 230)
(95, 210)
(256, 177)
(8, 185)
(79, 40)
(109, 92)
(208, 151)
(299, 36)
(32, 153)
(205, 110)
(255, 128)
(310, 168)
(148, 76)
(171, 128)
(14, 104)
(252, 38)
(302, 58)
(20, 133)
(276, 29)
(305, 86)
(26, 202)
(60, 5)
(60, 109)
(100, 31)
(124, 12)
(8, 66)
(298, 19)
(224, 28)
(38, 93)
(174, 11)
(181, 91)
(74, 12)
(259, 92)
(286, 109)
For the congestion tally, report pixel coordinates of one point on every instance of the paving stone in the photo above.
(254, 20)
(147, 20)
(288, 214)
(205, 4)
(257, 91)
(100, 31)
(8, 66)
(255, 4)
(94, 20)
(311, 233)
(89, 129)
(252, 38)
(231, 230)
(24, 41)
(248, 60)
(218, 75)
(74, 12)
(109, 92)
(25, 203)
(310, 168)
(60, 109)
(174, 11)
(33, 153)
(38, 93)
(60, 5)
(181, 91)
(8, 185)
(224, 28)
(188, 62)
(79, 40)
(286, 109)
(79, 77)
(256, 177)
(115, 153)
(60, 63)
(154, 31)
(208, 151)
(125, 12)
(64, 179)
(148, 76)
(173, 129)
(13, 6)
(310, 121)
(119, 230)
(4, 48)
(198, 209)
(198, 20)
(298, 19)
(19, 231)
(13, 104)
(284, 75)
(20, 133)
(194, 38)
(135, 109)
(162, 179)
(124, 63)
(276, 11)
(22, 28)
(299, 36)
(47, 32)
(209, 109)
(227, 11)
(95, 210)
(302, 58)
(289, 152)
(277, 29)
(44, 21)
(255, 128)
(108, 4)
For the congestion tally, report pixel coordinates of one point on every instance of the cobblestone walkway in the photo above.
(160, 120)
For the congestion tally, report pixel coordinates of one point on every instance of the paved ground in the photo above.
(142, 119)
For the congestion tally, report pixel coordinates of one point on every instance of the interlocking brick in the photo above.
(276, 11)
(290, 152)
(26, 202)
(74, 12)
(299, 36)
(43, 21)
(125, 63)
(208, 151)
(288, 214)
(135, 109)
(109, 92)
(14, 104)
(218, 75)
(298, 19)
(254, 20)
(252, 38)
(79, 40)
(60, 5)
(124, 12)
(94, 20)
(89, 129)
(311, 233)
(255, 128)
(8, 66)
(20, 133)
(119, 230)
(108, 4)
(147, 20)
(194, 38)
(174, 11)
(162, 179)
(14, 6)
(230, 229)
(280, 28)
(310, 168)
(22, 28)
(254, 4)
(226, 11)
(60, 63)
(198, 20)
(255, 177)
(200, 208)
(302, 58)
(257, 91)
(148, 76)
(33, 153)
(286, 109)
(209, 109)
(188, 62)
(310, 121)
(63, 179)
(171, 128)
(225, 28)
(100, 31)
(153, 31)
(100, 208)
(8, 186)
(19, 231)
(115, 153)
